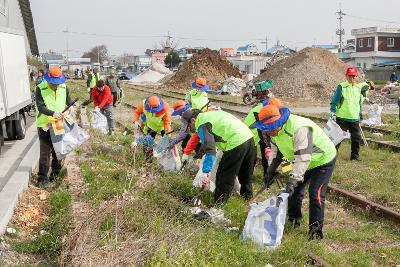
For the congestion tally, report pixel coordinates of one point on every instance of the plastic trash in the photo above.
(99, 122)
(169, 160)
(374, 116)
(266, 221)
(197, 180)
(334, 132)
(71, 139)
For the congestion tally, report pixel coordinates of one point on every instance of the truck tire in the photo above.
(10, 130)
(20, 127)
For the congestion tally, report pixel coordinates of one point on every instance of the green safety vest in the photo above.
(198, 100)
(350, 104)
(54, 100)
(251, 118)
(152, 121)
(95, 78)
(324, 150)
(229, 131)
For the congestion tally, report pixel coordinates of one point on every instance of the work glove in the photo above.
(137, 125)
(97, 109)
(332, 116)
(185, 158)
(134, 144)
(290, 186)
(88, 90)
(57, 115)
(205, 180)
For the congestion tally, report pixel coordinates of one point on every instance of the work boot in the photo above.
(296, 222)
(355, 157)
(42, 181)
(315, 233)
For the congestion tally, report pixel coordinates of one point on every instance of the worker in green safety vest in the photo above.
(250, 119)
(346, 108)
(219, 129)
(92, 79)
(313, 157)
(52, 97)
(197, 97)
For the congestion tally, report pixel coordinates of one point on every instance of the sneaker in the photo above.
(355, 157)
(315, 234)
(296, 222)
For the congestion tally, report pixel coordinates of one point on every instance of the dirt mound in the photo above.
(208, 64)
(312, 74)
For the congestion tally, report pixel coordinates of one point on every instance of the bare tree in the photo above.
(97, 54)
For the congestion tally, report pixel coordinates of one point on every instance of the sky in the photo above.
(131, 26)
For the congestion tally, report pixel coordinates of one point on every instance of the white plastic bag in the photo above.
(169, 160)
(266, 221)
(334, 132)
(73, 137)
(374, 116)
(197, 180)
(99, 121)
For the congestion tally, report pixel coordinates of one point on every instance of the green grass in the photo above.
(49, 243)
(155, 220)
(380, 82)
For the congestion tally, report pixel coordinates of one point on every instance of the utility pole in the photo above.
(98, 54)
(66, 33)
(266, 43)
(340, 32)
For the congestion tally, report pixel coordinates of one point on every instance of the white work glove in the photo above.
(133, 145)
(185, 158)
(137, 125)
(205, 180)
(88, 90)
(97, 109)
(332, 116)
(57, 115)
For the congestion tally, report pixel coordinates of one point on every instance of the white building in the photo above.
(248, 50)
(249, 64)
(375, 45)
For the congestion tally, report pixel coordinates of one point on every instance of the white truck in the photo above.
(15, 94)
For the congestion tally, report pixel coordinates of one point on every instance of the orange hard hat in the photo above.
(55, 72)
(154, 104)
(269, 114)
(54, 75)
(153, 101)
(180, 106)
(201, 84)
(272, 101)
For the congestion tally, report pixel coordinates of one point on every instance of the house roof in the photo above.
(326, 46)
(227, 49)
(243, 48)
(26, 13)
(279, 48)
(387, 63)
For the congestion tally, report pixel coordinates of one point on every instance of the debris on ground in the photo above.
(11, 230)
(208, 64)
(233, 86)
(153, 75)
(311, 74)
(374, 116)
(215, 216)
(377, 98)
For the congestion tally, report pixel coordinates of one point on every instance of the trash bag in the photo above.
(99, 121)
(374, 116)
(266, 221)
(71, 139)
(334, 132)
(169, 160)
(197, 179)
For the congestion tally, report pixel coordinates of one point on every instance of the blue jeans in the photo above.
(318, 179)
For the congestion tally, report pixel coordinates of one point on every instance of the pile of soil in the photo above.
(208, 64)
(312, 74)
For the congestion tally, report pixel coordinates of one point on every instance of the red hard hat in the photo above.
(351, 71)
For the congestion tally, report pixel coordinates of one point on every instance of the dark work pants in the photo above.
(264, 160)
(115, 97)
(355, 135)
(47, 150)
(398, 103)
(318, 179)
(239, 162)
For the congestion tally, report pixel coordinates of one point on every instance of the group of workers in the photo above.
(280, 135)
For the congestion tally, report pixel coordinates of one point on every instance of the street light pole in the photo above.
(66, 32)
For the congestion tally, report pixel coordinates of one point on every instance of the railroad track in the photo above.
(179, 96)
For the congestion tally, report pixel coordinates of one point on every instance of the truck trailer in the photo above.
(15, 94)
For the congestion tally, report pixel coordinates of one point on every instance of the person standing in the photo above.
(92, 79)
(219, 129)
(102, 101)
(313, 157)
(346, 109)
(393, 77)
(39, 77)
(197, 97)
(52, 97)
(113, 82)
